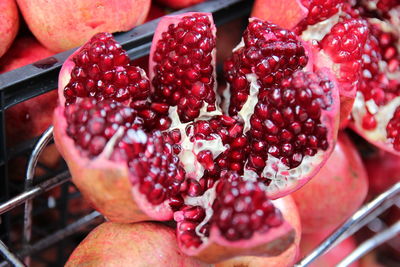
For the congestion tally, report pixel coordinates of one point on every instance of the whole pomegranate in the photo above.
(162, 147)
(62, 25)
(9, 24)
(336, 192)
(179, 3)
(383, 171)
(331, 258)
(138, 244)
(288, 257)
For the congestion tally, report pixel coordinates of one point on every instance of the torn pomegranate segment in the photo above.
(163, 148)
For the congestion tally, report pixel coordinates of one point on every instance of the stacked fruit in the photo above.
(226, 168)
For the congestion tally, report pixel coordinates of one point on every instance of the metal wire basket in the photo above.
(21, 202)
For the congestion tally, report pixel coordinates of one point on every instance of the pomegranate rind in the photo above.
(286, 259)
(163, 27)
(116, 244)
(217, 248)
(106, 184)
(343, 172)
(286, 14)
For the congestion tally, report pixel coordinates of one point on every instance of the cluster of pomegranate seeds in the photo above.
(270, 52)
(286, 121)
(344, 44)
(243, 209)
(231, 133)
(393, 129)
(183, 71)
(192, 217)
(92, 124)
(157, 166)
(318, 10)
(102, 71)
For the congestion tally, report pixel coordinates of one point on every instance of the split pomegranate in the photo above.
(62, 25)
(332, 189)
(9, 24)
(162, 148)
(116, 244)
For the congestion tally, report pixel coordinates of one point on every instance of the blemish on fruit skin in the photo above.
(94, 24)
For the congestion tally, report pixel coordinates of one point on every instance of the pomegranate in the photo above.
(179, 3)
(339, 178)
(162, 148)
(334, 31)
(9, 24)
(61, 25)
(383, 171)
(331, 258)
(116, 244)
(287, 258)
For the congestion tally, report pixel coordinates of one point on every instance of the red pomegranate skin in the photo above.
(30, 118)
(9, 24)
(136, 245)
(289, 256)
(330, 259)
(62, 25)
(293, 9)
(336, 192)
(383, 171)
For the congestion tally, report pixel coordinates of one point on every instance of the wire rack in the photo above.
(39, 229)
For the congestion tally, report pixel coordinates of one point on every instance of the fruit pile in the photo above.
(241, 170)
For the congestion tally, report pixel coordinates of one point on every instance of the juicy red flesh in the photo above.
(393, 130)
(193, 216)
(243, 209)
(92, 124)
(318, 10)
(270, 52)
(102, 71)
(344, 44)
(151, 161)
(184, 70)
(291, 111)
